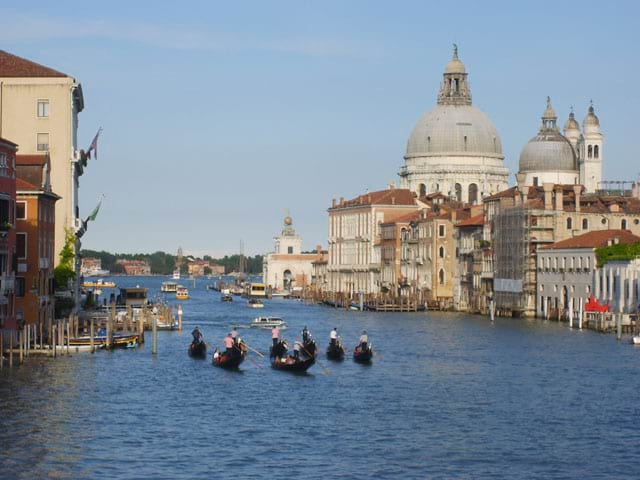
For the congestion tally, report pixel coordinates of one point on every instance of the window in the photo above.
(623, 224)
(590, 151)
(441, 252)
(441, 276)
(423, 189)
(441, 230)
(535, 181)
(585, 224)
(43, 142)
(289, 250)
(43, 108)
(569, 223)
(21, 245)
(21, 210)
(20, 286)
(596, 151)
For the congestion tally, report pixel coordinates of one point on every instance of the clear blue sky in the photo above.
(219, 115)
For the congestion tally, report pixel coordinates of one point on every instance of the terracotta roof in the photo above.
(595, 239)
(392, 196)
(35, 159)
(14, 66)
(476, 221)
(25, 186)
(405, 218)
(508, 193)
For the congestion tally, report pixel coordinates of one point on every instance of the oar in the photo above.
(254, 362)
(324, 370)
(252, 349)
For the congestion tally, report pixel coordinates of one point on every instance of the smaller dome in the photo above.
(548, 152)
(288, 220)
(571, 123)
(455, 65)
(591, 119)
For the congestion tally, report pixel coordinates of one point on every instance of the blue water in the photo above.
(448, 396)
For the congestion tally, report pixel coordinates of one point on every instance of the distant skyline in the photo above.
(218, 116)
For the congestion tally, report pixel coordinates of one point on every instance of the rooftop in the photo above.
(391, 196)
(595, 239)
(14, 66)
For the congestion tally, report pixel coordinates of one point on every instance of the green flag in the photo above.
(94, 214)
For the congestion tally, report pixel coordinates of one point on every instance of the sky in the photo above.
(220, 117)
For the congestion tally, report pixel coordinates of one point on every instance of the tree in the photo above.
(65, 272)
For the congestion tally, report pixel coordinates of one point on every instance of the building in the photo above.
(216, 269)
(135, 267)
(7, 236)
(198, 268)
(469, 294)
(287, 268)
(617, 283)
(35, 239)
(354, 232)
(91, 266)
(567, 271)
(454, 148)
(39, 109)
(572, 158)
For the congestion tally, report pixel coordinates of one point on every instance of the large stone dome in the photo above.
(454, 130)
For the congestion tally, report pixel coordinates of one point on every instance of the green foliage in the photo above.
(620, 251)
(65, 272)
(162, 263)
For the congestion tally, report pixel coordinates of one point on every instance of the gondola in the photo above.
(335, 351)
(309, 348)
(198, 349)
(362, 356)
(291, 364)
(229, 361)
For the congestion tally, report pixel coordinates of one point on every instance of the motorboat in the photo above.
(99, 284)
(176, 274)
(636, 340)
(169, 287)
(226, 297)
(255, 303)
(268, 322)
(182, 293)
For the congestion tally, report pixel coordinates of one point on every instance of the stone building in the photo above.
(454, 148)
(572, 158)
(7, 237)
(35, 232)
(287, 268)
(39, 109)
(567, 270)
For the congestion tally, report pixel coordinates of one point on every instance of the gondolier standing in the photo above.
(275, 335)
(234, 335)
(296, 349)
(228, 343)
(364, 339)
(333, 336)
(305, 335)
(197, 335)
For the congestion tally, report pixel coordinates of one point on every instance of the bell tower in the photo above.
(591, 158)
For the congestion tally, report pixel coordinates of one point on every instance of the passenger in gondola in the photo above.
(364, 340)
(275, 335)
(197, 335)
(333, 336)
(228, 343)
(216, 353)
(296, 349)
(305, 335)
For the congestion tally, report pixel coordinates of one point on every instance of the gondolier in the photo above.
(305, 335)
(228, 343)
(275, 335)
(364, 339)
(333, 336)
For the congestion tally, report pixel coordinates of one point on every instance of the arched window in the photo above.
(590, 151)
(428, 143)
(585, 224)
(465, 143)
(441, 252)
(596, 151)
(423, 189)
(458, 192)
(569, 223)
(473, 193)
(623, 224)
(441, 276)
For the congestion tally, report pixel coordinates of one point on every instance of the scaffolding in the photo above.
(511, 258)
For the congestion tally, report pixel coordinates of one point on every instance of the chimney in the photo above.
(516, 199)
(341, 201)
(392, 185)
(333, 203)
(525, 193)
(393, 200)
(559, 197)
(454, 216)
(424, 213)
(548, 194)
(577, 192)
(520, 177)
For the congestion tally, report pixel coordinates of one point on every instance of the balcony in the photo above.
(7, 284)
(44, 263)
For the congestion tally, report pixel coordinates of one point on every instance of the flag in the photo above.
(94, 214)
(94, 145)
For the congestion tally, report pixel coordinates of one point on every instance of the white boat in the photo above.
(176, 275)
(268, 322)
(169, 287)
(636, 340)
(255, 303)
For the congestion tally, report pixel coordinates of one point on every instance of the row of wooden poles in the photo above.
(381, 301)
(34, 339)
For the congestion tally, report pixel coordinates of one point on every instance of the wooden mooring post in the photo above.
(180, 318)
(91, 336)
(154, 345)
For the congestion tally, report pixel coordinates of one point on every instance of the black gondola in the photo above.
(335, 351)
(291, 364)
(362, 356)
(309, 348)
(231, 360)
(198, 349)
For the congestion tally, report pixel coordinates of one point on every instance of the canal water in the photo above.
(447, 396)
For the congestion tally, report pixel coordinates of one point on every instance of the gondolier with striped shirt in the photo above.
(275, 335)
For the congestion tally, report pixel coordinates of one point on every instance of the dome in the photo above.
(288, 220)
(454, 130)
(591, 119)
(571, 123)
(454, 66)
(547, 152)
